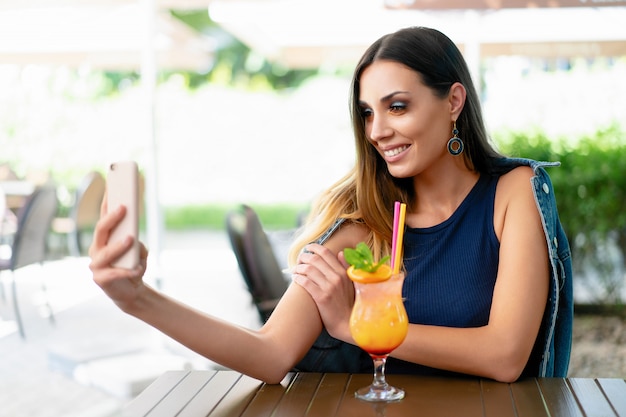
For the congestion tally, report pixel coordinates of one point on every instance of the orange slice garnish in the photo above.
(383, 273)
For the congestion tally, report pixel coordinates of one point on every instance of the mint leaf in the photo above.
(362, 258)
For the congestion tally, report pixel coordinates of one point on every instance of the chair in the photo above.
(84, 213)
(8, 221)
(29, 244)
(257, 260)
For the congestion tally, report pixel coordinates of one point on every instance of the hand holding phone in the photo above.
(123, 189)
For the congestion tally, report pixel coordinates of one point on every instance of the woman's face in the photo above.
(407, 124)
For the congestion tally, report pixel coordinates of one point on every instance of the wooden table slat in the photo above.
(184, 392)
(299, 395)
(615, 391)
(352, 407)
(434, 395)
(528, 399)
(226, 394)
(329, 395)
(267, 398)
(233, 404)
(497, 399)
(144, 402)
(559, 398)
(591, 399)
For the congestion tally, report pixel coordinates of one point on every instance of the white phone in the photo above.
(123, 189)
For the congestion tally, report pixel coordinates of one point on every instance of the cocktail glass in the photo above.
(378, 325)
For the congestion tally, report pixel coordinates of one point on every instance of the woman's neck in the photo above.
(439, 194)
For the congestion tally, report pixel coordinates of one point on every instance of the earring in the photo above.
(455, 144)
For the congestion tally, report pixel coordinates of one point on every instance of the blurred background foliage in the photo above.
(590, 188)
(235, 64)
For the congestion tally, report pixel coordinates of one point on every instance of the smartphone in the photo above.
(123, 189)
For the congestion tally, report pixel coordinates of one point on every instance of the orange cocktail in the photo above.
(379, 322)
(378, 325)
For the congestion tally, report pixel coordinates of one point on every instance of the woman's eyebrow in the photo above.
(384, 99)
(392, 95)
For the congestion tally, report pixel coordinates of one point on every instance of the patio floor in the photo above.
(95, 358)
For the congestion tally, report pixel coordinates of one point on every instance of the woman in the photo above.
(488, 291)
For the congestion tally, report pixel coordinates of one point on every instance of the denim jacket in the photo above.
(332, 355)
(559, 315)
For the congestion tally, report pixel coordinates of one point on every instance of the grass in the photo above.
(213, 217)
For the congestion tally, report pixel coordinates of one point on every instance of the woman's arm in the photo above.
(499, 350)
(267, 354)
(322, 272)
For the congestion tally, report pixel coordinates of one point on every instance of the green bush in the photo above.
(590, 188)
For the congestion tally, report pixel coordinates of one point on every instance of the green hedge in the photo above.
(590, 188)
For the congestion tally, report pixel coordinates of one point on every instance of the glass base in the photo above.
(386, 393)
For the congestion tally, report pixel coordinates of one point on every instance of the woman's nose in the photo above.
(379, 129)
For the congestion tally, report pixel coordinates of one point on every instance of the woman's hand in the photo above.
(323, 275)
(122, 285)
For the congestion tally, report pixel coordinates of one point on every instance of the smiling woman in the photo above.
(474, 303)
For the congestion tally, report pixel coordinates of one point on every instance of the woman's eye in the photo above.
(397, 106)
(366, 113)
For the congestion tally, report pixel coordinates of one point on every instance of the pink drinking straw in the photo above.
(394, 238)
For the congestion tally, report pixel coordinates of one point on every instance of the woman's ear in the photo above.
(456, 97)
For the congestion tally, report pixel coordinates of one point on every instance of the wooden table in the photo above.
(227, 393)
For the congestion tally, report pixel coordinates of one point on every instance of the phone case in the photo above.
(122, 188)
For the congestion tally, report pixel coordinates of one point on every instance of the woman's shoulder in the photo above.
(514, 198)
(515, 184)
(347, 236)
(519, 175)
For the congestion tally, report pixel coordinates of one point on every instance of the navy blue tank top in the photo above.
(452, 268)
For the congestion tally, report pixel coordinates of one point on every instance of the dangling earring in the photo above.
(455, 144)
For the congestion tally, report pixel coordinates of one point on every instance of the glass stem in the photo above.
(379, 372)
